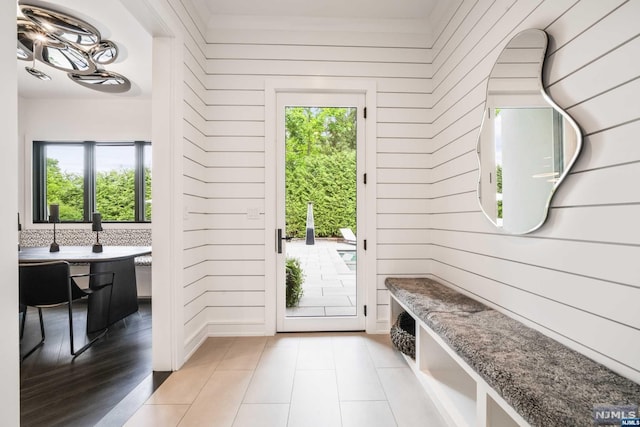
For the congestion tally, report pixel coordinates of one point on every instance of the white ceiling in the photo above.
(115, 23)
(361, 9)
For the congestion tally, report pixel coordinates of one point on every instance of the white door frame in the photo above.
(367, 232)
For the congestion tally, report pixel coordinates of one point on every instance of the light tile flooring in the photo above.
(292, 380)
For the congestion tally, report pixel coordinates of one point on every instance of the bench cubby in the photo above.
(459, 393)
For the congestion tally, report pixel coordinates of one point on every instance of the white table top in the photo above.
(82, 254)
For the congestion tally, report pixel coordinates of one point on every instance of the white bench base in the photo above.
(460, 394)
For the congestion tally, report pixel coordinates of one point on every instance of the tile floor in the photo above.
(292, 380)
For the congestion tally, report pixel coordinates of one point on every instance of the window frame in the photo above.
(39, 176)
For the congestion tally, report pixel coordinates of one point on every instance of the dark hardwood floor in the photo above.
(58, 391)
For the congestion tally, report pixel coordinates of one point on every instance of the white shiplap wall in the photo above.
(223, 148)
(189, 29)
(577, 278)
(224, 157)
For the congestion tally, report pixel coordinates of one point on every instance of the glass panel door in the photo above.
(319, 138)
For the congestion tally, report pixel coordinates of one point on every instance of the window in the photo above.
(113, 178)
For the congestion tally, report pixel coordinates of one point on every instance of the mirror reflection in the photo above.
(527, 144)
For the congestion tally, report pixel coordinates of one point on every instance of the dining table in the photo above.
(103, 310)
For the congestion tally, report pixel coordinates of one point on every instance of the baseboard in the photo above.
(380, 327)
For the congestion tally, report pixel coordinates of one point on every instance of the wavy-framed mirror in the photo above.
(527, 144)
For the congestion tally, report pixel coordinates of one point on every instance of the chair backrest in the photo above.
(43, 284)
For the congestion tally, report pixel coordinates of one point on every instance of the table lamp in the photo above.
(96, 226)
(54, 217)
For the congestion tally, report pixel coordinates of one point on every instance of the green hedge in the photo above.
(329, 182)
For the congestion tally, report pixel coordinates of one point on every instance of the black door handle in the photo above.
(279, 240)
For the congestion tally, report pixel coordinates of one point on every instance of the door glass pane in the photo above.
(115, 182)
(65, 180)
(320, 198)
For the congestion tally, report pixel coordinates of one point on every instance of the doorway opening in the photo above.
(320, 200)
(321, 151)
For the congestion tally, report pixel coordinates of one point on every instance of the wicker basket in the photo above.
(403, 334)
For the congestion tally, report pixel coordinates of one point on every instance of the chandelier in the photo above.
(69, 44)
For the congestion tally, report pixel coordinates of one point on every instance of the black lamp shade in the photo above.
(54, 212)
(96, 222)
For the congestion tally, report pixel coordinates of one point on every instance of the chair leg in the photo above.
(99, 310)
(41, 333)
(41, 323)
(70, 323)
(76, 353)
(22, 322)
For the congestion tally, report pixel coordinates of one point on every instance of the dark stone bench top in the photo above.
(547, 383)
(424, 296)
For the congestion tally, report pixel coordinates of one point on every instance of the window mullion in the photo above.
(40, 182)
(139, 182)
(89, 179)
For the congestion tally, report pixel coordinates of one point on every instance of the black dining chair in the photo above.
(22, 310)
(51, 284)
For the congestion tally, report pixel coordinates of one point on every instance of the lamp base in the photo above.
(54, 247)
(97, 248)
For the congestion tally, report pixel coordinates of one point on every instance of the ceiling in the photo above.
(361, 9)
(117, 24)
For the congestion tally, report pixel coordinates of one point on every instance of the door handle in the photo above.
(279, 240)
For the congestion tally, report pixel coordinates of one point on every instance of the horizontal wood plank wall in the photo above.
(224, 162)
(577, 278)
(404, 179)
(194, 146)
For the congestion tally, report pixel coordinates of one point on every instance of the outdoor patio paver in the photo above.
(343, 290)
(330, 285)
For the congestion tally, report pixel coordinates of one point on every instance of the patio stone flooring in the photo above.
(329, 285)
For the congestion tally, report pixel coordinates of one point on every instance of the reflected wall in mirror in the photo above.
(527, 144)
